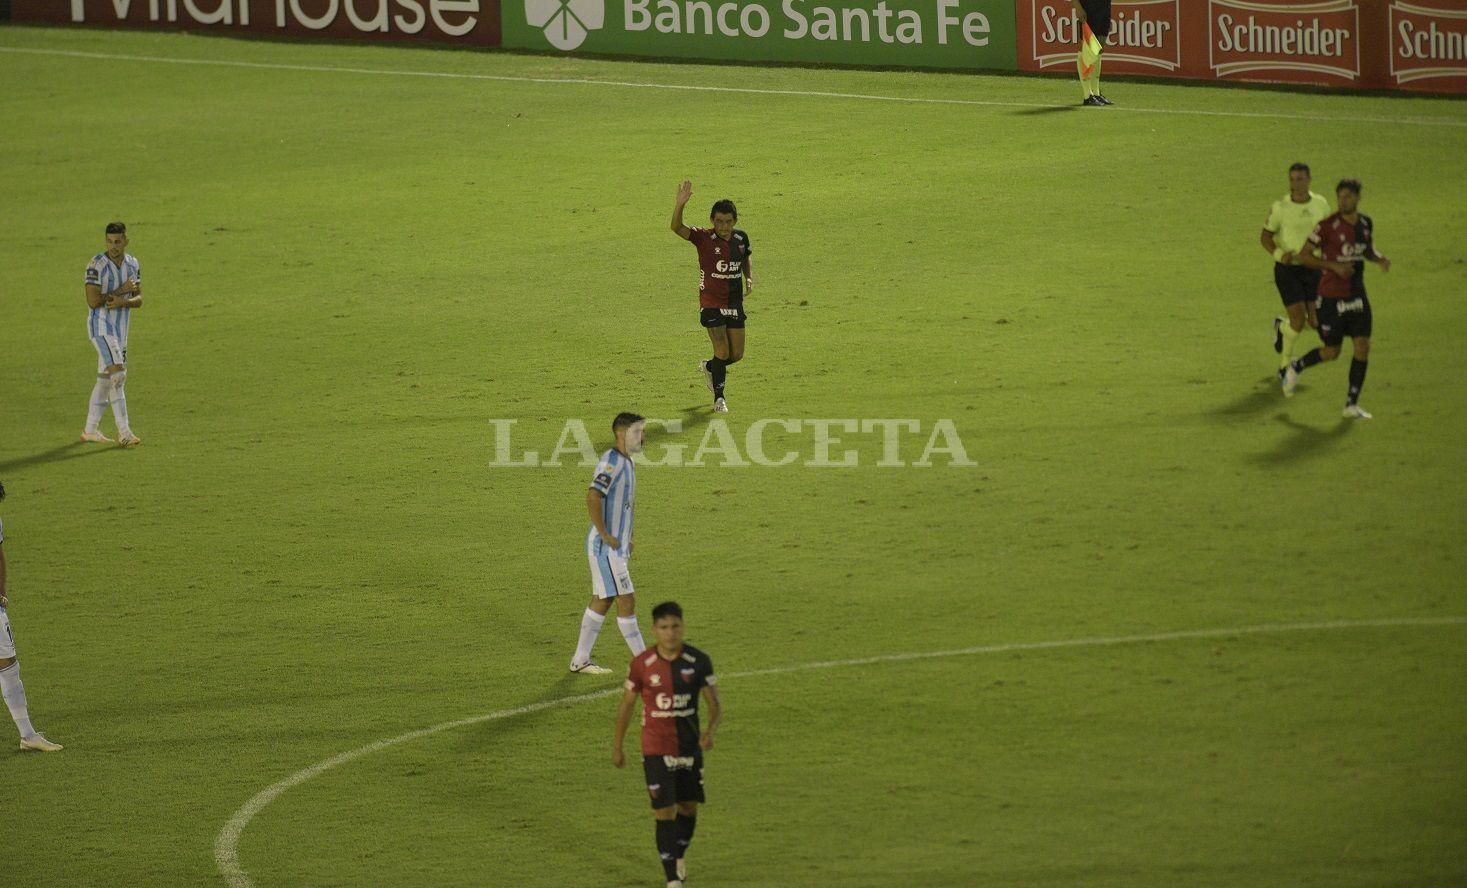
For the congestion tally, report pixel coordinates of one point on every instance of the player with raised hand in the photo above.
(725, 278)
(669, 678)
(10, 687)
(1344, 243)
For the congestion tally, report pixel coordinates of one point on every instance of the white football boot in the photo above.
(39, 743)
(720, 406)
(1355, 411)
(589, 668)
(1290, 381)
(95, 437)
(707, 374)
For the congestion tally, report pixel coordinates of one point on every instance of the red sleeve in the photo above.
(695, 235)
(1316, 237)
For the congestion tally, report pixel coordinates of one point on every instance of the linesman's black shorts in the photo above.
(1097, 13)
(1339, 318)
(733, 317)
(1296, 283)
(672, 778)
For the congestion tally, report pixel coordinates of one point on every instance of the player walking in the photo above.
(725, 279)
(1290, 222)
(1094, 16)
(609, 544)
(113, 291)
(669, 678)
(1344, 242)
(10, 686)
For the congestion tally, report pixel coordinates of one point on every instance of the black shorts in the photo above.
(1097, 14)
(672, 779)
(1296, 283)
(1339, 318)
(732, 316)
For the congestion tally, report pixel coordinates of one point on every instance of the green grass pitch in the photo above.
(349, 274)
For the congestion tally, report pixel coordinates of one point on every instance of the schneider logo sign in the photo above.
(1427, 42)
(920, 33)
(1144, 32)
(1310, 38)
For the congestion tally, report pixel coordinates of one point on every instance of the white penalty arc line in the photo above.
(687, 87)
(226, 845)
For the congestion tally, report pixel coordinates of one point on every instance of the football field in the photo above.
(1182, 630)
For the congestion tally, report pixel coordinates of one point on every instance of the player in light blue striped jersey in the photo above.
(609, 544)
(113, 290)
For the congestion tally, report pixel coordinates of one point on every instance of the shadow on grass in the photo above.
(1265, 396)
(1306, 442)
(56, 454)
(1046, 109)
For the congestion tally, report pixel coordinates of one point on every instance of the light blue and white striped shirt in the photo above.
(104, 273)
(616, 480)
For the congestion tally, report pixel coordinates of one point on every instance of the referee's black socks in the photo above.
(1357, 378)
(719, 368)
(667, 847)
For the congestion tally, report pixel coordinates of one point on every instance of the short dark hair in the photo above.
(2, 490)
(624, 420)
(667, 609)
(117, 228)
(1351, 184)
(724, 206)
(1300, 168)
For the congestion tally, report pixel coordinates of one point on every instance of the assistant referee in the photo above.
(1096, 14)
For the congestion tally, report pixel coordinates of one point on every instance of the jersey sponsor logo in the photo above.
(1143, 32)
(1427, 41)
(1352, 305)
(678, 762)
(728, 264)
(1311, 38)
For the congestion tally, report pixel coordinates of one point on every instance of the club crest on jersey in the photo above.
(688, 673)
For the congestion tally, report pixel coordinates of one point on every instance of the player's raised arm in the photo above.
(623, 720)
(684, 194)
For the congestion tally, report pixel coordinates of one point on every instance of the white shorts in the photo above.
(110, 350)
(7, 643)
(609, 576)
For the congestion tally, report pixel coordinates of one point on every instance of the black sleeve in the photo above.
(748, 247)
(1369, 224)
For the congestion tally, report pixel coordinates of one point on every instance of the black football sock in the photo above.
(685, 826)
(667, 847)
(1357, 378)
(1309, 360)
(719, 368)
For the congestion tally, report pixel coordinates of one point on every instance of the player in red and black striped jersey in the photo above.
(669, 678)
(1339, 247)
(725, 278)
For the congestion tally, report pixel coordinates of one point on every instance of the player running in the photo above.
(1344, 241)
(725, 279)
(669, 678)
(10, 686)
(609, 544)
(1094, 15)
(113, 290)
(1290, 222)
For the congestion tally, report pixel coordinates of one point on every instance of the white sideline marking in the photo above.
(867, 97)
(226, 845)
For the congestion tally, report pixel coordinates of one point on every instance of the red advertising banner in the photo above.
(1362, 44)
(474, 22)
